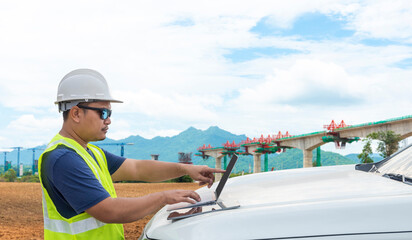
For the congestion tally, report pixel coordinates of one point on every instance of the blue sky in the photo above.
(253, 68)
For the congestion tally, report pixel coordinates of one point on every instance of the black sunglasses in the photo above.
(104, 112)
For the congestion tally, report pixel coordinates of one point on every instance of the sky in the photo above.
(249, 67)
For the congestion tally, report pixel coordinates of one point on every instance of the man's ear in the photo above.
(75, 114)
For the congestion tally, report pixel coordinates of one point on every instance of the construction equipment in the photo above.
(185, 158)
(332, 126)
(34, 167)
(18, 160)
(121, 144)
(7, 164)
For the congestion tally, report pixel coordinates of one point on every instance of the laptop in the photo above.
(208, 198)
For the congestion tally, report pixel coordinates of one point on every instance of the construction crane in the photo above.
(332, 126)
(34, 163)
(18, 159)
(332, 136)
(7, 164)
(121, 144)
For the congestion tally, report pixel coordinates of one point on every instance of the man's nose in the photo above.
(107, 121)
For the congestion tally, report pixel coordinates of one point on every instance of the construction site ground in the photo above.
(21, 214)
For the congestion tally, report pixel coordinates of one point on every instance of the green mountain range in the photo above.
(354, 156)
(188, 141)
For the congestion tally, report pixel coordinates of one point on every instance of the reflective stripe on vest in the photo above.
(70, 228)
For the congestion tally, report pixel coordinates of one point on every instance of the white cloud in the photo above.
(173, 105)
(304, 78)
(29, 131)
(384, 19)
(119, 129)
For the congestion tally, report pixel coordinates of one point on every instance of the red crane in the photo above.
(332, 126)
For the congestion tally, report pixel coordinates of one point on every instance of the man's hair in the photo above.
(66, 115)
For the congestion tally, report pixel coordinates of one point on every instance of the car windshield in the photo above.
(399, 163)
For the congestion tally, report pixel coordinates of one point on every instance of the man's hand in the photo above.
(124, 210)
(176, 196)
(203, 174)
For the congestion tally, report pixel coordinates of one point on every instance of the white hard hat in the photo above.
(82, 85)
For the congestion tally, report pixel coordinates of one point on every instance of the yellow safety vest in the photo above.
(81, 226)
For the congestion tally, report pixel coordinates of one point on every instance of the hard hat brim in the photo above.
(89, 100)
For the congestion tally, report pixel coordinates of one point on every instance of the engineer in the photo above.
(79, 200)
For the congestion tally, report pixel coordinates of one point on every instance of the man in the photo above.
(79, 200)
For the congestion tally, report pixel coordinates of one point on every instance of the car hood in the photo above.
(294, 203)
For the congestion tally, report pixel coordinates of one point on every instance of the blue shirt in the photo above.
(70, 182)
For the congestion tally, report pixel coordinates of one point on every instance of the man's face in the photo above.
(92, 126)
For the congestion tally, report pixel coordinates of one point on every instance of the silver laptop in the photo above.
(214, 196)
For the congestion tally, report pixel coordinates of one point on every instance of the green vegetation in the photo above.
(28, 177)
(388, 144)
(185, 178)
(11, 176)
(366, 152)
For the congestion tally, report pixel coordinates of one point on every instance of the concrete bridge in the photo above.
(308, 142)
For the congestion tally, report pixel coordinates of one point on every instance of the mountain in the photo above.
(168, 147)
(354, 157)
(188, 141)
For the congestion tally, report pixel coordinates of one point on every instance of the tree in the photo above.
(185, 178)
(10, 175)
(388, 144)
(366, 152)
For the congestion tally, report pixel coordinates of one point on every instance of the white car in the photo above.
(369, 201)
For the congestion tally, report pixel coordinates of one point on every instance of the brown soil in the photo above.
(21, 212)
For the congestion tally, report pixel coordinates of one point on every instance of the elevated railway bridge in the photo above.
(308, 142)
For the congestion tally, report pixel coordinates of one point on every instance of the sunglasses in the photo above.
(104, 112)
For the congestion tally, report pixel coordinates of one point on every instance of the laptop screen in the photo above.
(225, 176)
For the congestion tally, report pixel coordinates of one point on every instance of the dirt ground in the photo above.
(21, 212)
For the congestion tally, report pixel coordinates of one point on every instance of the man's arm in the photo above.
(157, 171)
(125, 210)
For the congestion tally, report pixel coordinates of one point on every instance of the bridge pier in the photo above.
(307, 158)
(257, 163)
(218, 159)
(215, 153)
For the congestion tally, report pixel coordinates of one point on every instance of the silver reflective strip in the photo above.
(45, 212)
(62, 226)
(97, 150)
(83, 156)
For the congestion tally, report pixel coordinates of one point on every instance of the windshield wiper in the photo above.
(398, 177)
(374, 169)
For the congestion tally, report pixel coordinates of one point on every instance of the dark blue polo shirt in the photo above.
(70, 182)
